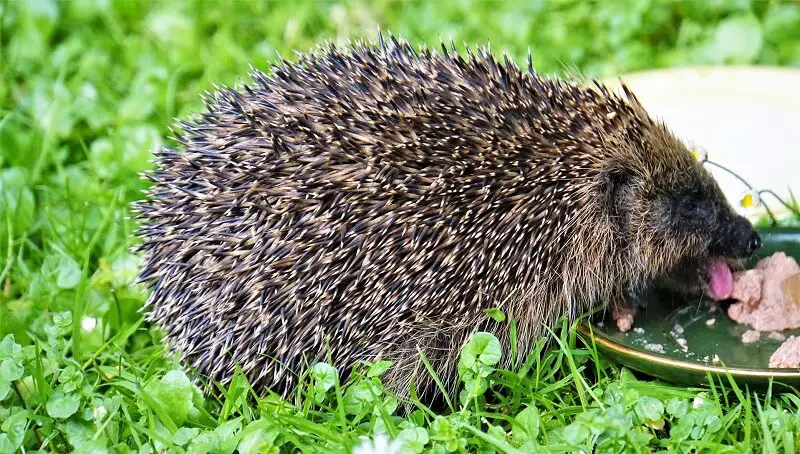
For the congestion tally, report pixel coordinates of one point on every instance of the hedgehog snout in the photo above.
(735, 238)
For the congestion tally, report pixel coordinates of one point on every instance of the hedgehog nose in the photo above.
(755, 242)
(737, 238)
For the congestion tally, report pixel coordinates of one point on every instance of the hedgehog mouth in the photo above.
(709, 275)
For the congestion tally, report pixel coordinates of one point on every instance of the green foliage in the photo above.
(89, 87)
(478, 358)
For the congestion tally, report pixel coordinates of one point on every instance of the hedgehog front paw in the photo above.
(623, 314)
(623, 317)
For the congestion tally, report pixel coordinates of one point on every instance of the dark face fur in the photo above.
(683, 223)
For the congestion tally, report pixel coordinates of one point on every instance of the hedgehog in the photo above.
(372, 201)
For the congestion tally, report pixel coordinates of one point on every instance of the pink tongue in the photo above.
(720, 279)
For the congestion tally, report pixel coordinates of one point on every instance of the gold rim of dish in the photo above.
(664, 360)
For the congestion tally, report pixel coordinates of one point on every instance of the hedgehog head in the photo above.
(676, 220)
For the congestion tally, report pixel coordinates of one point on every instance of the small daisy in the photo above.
(750, 199)
(378, 445)
(99, 413)
(700, 153)
(88, 323)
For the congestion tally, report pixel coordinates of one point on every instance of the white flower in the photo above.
(700, 153)
(99, 413)
(379, 445)
(750, 199)
(88, 323)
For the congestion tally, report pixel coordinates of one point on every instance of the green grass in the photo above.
(88, 87)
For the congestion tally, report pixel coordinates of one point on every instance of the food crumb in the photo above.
(751, 336)
(711, 321)
(657, 348)
(787, 355)
(774, 335)
(682, 342)
(678, 329)
(716, 359)
(638, 330)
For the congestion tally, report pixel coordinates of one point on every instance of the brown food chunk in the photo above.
(747, 287)
(764, 303)
(791, 287)
(787, 355)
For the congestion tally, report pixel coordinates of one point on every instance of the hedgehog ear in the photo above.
(613, 185)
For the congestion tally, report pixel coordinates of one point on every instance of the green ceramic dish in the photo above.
(715, 348)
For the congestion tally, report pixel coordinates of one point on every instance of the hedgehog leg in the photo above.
(441, 347)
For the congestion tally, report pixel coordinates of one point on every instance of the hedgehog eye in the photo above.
(694, 207)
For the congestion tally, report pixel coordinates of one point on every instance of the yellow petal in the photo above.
(750, 199)
(700, 153)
